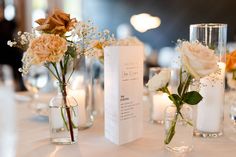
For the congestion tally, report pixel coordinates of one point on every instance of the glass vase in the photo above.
(209, 117)
(81, 89)
(178, 129)
(158, 100)
(63, 118)
(231, 97)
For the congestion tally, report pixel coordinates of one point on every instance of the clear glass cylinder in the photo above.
(158, 100)
(209, 118)
(81, 89)
(231, 97)
(63, 119)
(182, 140)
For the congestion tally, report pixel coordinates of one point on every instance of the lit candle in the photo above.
(210, 109)
(80, 97)
(160, 102)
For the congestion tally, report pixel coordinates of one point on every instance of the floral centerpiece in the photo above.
(197, 61)
(56, 43)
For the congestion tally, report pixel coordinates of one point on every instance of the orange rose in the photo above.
(57, 23)
(231, 61)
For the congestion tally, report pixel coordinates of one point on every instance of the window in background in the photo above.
(73, 7)
(39, 10)
(9, 10)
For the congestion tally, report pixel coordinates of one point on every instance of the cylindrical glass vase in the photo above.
(158, 100)
(179, 129)
(63, 119)
(80, 89)
(231, 97)
(209, 118)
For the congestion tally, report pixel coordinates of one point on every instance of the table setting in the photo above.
(71, 109)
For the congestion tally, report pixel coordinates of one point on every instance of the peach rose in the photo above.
(57, 23)
(47, 48)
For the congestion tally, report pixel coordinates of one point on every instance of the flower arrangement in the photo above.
(198, 61)
(56, 43)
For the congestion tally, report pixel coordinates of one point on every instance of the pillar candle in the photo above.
(210, 109)
(160, 102)
(80, 96)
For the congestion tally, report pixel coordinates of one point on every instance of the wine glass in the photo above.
(35, 80)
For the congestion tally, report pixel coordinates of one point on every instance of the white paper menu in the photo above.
(123, 71)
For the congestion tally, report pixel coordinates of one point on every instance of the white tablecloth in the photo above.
(30, 138)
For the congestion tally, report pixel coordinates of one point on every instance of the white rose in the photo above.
(198, 59)
(159, 80)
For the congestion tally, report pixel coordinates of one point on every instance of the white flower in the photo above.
(19, 33)
(197, 59)
(106, 31)
(130, 41)
(9, 43)
(159, 80)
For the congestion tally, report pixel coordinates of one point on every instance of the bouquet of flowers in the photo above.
(56, 43)
(198, 61)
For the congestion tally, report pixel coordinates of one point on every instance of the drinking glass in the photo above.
(158, 100)
(209, 118)
(35, 80)
(7, 113)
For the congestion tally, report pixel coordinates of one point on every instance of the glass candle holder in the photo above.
(81, 89)
(158, 100)
(209, 118)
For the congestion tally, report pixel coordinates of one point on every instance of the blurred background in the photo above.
(157, 23)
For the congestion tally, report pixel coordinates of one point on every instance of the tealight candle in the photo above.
(160, 102)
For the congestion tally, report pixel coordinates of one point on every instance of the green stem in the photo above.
(171, 130)
(52, 72)
(55, 67)
(186, 84)
(166, 90)
(64, 120)
(71, 74)
(64, 95)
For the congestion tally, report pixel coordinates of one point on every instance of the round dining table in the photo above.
(26, 134)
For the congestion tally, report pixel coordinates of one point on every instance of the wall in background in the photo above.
(176, 16)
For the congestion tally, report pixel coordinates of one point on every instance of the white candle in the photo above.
(80, 96)
(160, 102)
(210, 109)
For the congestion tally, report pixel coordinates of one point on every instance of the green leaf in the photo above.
(234, 75)
(71, 50)
(192, 97)
(175, 99)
